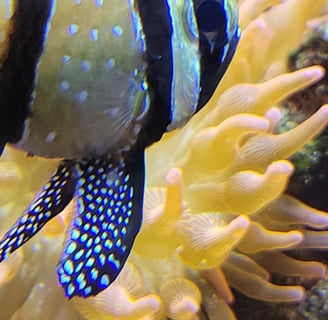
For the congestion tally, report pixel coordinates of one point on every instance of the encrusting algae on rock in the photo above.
(215, 213)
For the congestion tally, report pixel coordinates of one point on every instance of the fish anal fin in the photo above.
(108, 216)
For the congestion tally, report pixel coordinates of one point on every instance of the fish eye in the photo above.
(211, 17)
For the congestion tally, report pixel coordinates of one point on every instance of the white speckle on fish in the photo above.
(99, 3)
(66, 58)
(134, 72)
(64, 86)
(94, 34)
(117, 31)
(110, 64)
(73, 29)
(51, 136)
(86, 65)
(82, 96)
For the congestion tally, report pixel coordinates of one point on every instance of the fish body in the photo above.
(89, 100)
(95, 82)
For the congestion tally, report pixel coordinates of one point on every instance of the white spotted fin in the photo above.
(108, 217)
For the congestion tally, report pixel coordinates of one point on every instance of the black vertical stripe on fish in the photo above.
(212, 70)
(216, 53)
(17, 74)
(157, 28)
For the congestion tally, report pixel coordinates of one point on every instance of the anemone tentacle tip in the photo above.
(314, 72)
(280, 167)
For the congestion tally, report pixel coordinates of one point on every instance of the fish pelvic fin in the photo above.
(53, 198)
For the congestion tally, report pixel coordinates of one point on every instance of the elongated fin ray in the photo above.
(52, 199)
(109, 213)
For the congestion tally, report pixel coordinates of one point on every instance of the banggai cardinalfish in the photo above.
(94, 82)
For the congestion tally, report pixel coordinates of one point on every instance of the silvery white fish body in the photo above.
(95, 82)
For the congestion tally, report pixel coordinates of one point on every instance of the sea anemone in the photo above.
(215, 213)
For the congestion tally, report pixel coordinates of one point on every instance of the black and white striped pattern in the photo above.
(173, 37)
(17, 73)
(184, 62)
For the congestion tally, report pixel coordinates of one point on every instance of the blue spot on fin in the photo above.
(109, 200)
(52, 199)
